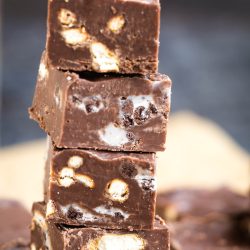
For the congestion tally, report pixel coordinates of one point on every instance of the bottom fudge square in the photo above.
(100, 189)
(47, 235)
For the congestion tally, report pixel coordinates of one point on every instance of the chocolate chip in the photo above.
(73, 214)
(128, 121)
(147, 185)
(153, 109)
(130, 136)
(119, 215)
(89, 108)
(141, 115)
(128, 170)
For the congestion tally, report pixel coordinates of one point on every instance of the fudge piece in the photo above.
(104, 36)
(14, 226)
(102, 112)
(47, 235)
(100, 189)
(217, 232)
(181, 203)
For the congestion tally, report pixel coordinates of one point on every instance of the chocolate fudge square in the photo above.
(181, 203)
(104, 36)
(47, 235)
(104, 112)
(213, 232)
(100, 189)
(14, 226)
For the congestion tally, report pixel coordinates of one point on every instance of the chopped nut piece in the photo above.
(50, 209)
(86, 180)
(66, 178)
(115, 24)
(75, 36)
(118, 242)
(43, 72)
(117, 190)
(104, 60)
(67, 18)
(75, 161)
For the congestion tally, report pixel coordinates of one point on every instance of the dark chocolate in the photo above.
(102, 112)
(100, 189)
(47, 235)
(104, 36)
(181, 203)
(14, 226)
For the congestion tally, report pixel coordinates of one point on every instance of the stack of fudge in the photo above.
(105, 108)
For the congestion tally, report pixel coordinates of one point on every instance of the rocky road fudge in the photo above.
(104, 36)
(104, 112)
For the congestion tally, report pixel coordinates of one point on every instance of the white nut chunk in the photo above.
(75, 36)
(104, 60)
(75, 161)
(67, 18)
(117, 242)
(50, 208)
(66, 177)
(85, 180)
(117, 190)
(116, 23)
(42, 72)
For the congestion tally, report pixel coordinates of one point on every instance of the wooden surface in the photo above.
(199, 154)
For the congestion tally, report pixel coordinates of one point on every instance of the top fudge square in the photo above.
(104, 35)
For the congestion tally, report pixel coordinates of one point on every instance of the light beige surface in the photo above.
(199, 154)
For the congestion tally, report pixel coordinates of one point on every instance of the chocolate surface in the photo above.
(102, 112)
(104, 36)
(215, 232)
(205, 219)
(14, 226)
(100, 189)
(181, 203)
(45, 235)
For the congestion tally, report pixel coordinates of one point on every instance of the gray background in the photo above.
(205, 49)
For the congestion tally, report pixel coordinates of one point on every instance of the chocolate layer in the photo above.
(102, 112)
(47, 235)
(104, 36)
(100, 189)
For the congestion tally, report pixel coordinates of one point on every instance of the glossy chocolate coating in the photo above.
(101, 189)
(60, 237)
(102, 112)
(14, 226)
(104, 36)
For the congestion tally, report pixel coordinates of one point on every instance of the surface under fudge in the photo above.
(211, 232)
(104, 112)
(100, 189)
(47, 235)
(104, 36)
(181, 203)
(14, 225)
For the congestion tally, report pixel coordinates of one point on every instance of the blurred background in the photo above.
(205, 49)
